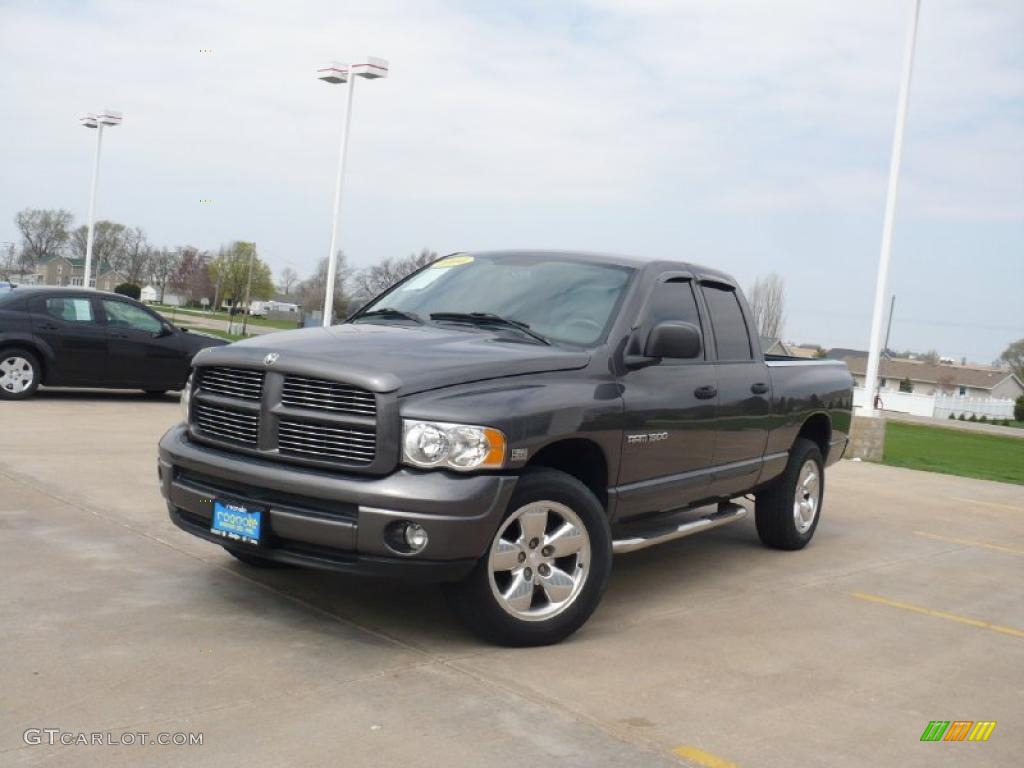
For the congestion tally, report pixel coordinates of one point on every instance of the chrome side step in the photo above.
(726, 513)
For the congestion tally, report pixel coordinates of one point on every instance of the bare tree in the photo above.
(191, 279)
(8, 262)
(107, 243)
(44, 233)
(133, 259)
(162, 264)
(289, 277)
(378, 278)
(768, 303)
(312, 289)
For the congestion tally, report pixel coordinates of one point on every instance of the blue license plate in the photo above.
(236, 522)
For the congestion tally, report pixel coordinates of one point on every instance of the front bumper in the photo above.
(337, 521)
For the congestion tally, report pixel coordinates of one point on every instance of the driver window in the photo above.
(122, 315)
(672, 300)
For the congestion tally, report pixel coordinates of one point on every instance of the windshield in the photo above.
(559, 298)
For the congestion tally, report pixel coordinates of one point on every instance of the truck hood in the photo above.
(393, 358)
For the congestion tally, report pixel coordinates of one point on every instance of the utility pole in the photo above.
(248, 288)
(888, 329)
(871, 375)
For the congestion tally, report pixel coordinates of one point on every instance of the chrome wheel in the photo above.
(539, 561)
(16, 374)
(807, 498)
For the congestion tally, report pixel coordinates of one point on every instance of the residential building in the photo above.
(64, 270)
(924, 378)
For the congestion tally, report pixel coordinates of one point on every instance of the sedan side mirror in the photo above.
(166, 329)
(674, 339)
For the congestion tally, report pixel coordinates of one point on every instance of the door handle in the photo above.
(48, 327)
(115, 335)
(705, 393)
(760, 388)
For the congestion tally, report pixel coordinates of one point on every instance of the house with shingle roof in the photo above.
(940, 379)
(64, 270)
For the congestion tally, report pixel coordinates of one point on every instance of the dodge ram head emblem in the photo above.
(271, 358)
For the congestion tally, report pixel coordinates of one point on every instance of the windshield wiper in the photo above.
(390, 312)
(488, 318)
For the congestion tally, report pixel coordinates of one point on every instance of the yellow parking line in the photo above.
(701, 757)
(993, 547)
(940, 614)
(989, 504)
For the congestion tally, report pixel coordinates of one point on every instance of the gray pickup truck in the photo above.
(504, 423)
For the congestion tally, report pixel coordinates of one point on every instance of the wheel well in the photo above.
(580, 458)
(818, 429)
(29, 347)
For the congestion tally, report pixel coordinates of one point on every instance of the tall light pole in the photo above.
(370, 68)
(107, 117)
(881, 284)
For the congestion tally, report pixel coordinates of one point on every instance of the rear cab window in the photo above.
(732, 339)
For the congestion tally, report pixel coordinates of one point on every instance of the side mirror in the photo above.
(673, 339)
(166, 329)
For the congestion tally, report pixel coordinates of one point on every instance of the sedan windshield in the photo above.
(554, 297)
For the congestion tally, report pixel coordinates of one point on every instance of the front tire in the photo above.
(788, 510)
(20, 374)
(546, 568)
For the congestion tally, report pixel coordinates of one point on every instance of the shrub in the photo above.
(129, 289)
(962, 417)
(1018, 409)
(984, 417)
(951, 416)
(974, 417)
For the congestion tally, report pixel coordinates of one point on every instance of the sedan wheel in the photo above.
(19, 374)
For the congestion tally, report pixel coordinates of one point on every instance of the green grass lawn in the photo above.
(215, 332)
(173, 313)
(955, 452)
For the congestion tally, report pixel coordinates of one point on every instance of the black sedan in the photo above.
(72, 337)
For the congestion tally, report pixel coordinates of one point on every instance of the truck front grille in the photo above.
(302, 392)
(243, 383)
(281, 416)
(351, 445)
(234, 426)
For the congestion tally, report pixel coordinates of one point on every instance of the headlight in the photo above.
(452, 446)
(186, 399)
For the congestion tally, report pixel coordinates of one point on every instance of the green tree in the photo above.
(1018, 409)
(229, 271)
(1013, 356)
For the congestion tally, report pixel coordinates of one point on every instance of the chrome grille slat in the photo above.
(242, 383)
(225, 424)
(309, 439)
(303, 392)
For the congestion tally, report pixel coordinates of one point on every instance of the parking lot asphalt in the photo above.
(907, 607)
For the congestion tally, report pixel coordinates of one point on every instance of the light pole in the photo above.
(881, 284)
(91, 120)
(370, 68)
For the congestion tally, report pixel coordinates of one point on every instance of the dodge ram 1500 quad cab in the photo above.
(505, 423)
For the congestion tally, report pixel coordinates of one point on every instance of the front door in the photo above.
(70, 326)
(142, 351)
(744, 396)
(669, 435)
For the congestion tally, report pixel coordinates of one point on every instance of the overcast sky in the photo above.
(749, 136)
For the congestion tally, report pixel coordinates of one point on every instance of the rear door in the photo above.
(744, 392)
(142, 352)
(669, 436)
(70, 325)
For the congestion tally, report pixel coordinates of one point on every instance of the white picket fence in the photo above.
(938, 406)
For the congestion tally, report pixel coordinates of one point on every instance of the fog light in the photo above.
(415, 536)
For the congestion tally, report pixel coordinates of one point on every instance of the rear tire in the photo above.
(546, 567)
(20, 374)
(788, 510)
(254, 560)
